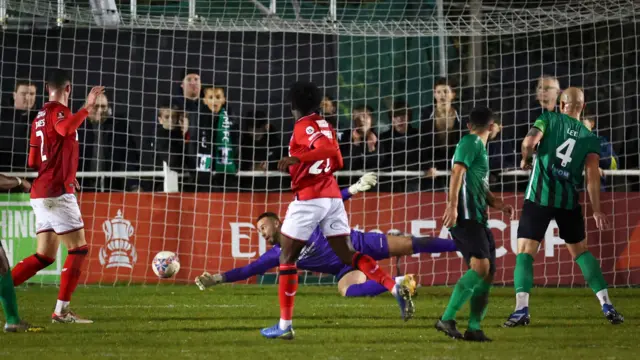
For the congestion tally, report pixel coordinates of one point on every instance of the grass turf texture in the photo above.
(182, 322)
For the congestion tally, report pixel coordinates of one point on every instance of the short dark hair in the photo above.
(480, 117)
(442, 81)
(23, 83)
(363, 107)
(268, 214)
(188, 71)
(305, 97)
(400, 108)
(58, 79)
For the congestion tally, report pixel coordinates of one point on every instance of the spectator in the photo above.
(14, 127)
(515, 129)
(494, 151)
(360, 148)
(260, 149)
(330, 111)
(440, 131)
(163, 141)
(104, 147)
(608, 158)
(399, 146)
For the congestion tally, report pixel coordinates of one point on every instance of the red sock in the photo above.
(287, 287)
(71, 272)
(372, 270)
(28, 267)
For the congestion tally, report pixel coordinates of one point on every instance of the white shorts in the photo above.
(60, 215)
(304, 216)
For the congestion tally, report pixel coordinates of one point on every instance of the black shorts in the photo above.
(475, 240)
(535, 219)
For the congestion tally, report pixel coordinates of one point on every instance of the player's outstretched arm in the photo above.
(497, 203)
(592, 171)
(266, 261)
(365, 183)
(451, 212)
(69, 125)
(8, 183)
(529, 144)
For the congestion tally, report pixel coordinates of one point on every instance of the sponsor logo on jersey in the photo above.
(118, 250)
(310, 130)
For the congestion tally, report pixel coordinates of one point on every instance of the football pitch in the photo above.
(181, 322)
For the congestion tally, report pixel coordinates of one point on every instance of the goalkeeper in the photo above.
(317, 255)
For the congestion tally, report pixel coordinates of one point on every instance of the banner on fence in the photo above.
(216, 232)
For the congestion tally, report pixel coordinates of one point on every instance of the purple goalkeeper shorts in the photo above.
(368, 243)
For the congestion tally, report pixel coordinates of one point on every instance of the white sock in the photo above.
(399, 279)
(522, 300)
(284, 324)
(603, 296)
(61, 305)
(394, 291)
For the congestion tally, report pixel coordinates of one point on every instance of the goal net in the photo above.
(181, 154)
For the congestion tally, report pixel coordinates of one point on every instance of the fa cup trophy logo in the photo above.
(118, 251)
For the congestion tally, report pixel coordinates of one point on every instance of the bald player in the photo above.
(566, 149)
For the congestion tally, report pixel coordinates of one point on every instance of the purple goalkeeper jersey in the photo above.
(317, 255)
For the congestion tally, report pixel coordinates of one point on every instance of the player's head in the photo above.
(481, 120)
(191, 85)
(100, 111)
(547, 91)
(305, 98)
(589, 122)
(268, 225)
(24, 95)
(215, 98)
(444, 91)
(59, 85)
(572, 102)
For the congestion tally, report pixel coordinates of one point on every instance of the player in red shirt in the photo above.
(54, 153)
(313, 157)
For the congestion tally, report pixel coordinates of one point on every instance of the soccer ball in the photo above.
(165, 264)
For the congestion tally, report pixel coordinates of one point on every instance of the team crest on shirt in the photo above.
(310, 130)
(61, 115)
(118, 250)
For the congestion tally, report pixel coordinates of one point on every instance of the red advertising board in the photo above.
(215, 232)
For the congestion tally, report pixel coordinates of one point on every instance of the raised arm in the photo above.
(365, 183)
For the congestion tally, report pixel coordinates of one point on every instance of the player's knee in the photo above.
(528, 246)
(4, 263)
(481, 266)
(577, 249)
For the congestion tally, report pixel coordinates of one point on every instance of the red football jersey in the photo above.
(313, 180)
(57, 162)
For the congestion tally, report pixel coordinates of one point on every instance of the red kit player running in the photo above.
(54, 153)
(313, 157)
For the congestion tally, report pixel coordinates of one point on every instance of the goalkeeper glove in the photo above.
(365, 183)
(206, 280)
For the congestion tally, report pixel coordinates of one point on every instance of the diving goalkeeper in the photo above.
(317, 255)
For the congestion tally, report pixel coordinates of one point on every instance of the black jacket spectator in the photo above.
(104, 146)
(15, 129)
(438, 144)
(359, 153)
(260, 149)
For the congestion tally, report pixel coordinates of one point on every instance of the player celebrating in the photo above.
(469, 182)
(313, 157)
(566, 148)
(317, 255)
(7, 292)
(54, 153)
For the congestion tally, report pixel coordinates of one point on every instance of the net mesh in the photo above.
(365, 54)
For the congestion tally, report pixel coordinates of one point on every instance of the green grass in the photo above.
(177, 322)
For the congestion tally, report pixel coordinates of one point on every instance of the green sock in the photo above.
(8, 299)
(479, 302)
(591, 271)
(523, 274)
(461, 293)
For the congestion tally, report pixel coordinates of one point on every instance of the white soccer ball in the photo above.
(165, 264)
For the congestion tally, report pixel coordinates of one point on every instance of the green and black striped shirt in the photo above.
(472, 200)
(559, 162)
